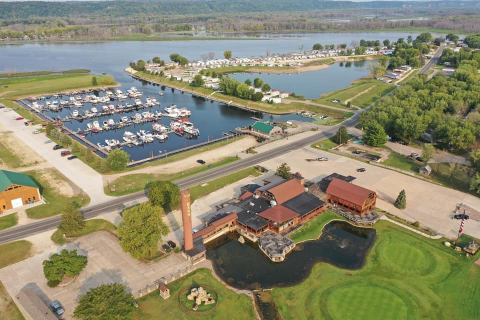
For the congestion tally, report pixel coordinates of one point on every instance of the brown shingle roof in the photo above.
(278, 214)
(215, 224)
(287, 190)
(348, 191)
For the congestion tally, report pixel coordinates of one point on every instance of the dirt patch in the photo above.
(58, 182)
(27, 156)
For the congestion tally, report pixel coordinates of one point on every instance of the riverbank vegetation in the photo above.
(406, 276)
(229, 305)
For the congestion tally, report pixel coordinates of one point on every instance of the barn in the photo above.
(17, 190)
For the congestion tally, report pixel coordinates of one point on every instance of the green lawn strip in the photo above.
(8, 157)
(326, 144)
(15, 88)
(406, 276)
(230, 305)
(8, 221)
(13, 252)
(136, 182)
(379, 90)
(313, 229)
(8, 308)
(92, 225)
(199, 191)
(55, 202)
(452, 176)
(280, 108)
(399, 161)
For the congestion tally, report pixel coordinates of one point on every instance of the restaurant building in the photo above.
(352, 197)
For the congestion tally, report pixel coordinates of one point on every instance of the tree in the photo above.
(257, 82)
(424, 37)
(227, 54)
(72, 221)
(164, 194)
(266, 87)
(94, 81)
(257, 96)
(317, 46)
(141, 230)
(401, 201)
(341, 136)
(157, 60)
(386, 43)
(452, 37)
(197, 81)
(427, 152)
(108, 301)
(284, 171)
(117, 160)
(475, 183)
(374, 135)
(473, 41)
(475, 158)
(248, 82)
(67, 263)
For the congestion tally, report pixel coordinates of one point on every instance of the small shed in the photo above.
(472, 248)
(163, 290)
(425, 170)
(266, 128)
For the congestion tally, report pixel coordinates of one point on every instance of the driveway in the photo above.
(439, 156)
(107, 263)
(79, 173)
(430, 204)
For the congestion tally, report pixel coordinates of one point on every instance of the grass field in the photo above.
(402, 162)
(8, 157)
(55, 202)
(8, 221)
(362, 93)
(13, 252)
(325, 144)
(199, 191)
(230, 305)
(30, 85)
(8, 309)
(136, 182)
(92, 225)
(313, 229)
(406, 277)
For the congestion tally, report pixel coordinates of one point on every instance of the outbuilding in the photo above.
(17, 190)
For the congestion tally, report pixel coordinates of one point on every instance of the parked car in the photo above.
(72, 157)
(65, 153)
(201, 161)
(461, 216)
(361, 170)
(57, 308)
(166, 247)
(357, 151)
(57, 146)
(37, 131)
(19, 118)
(171, 244)
(322, 159)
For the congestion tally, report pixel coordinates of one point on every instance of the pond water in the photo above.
(313, 84)
(244, 266)
(212, 119)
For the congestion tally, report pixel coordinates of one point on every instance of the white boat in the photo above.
(111, 122)
(75, 113)
(161, 136)
(157, 127)
(111, 107)
(77, 104)
(104, 108)
(184, 112)
(138, 102)
(94, 110)
(124, 120)
(137, 117)
(96, 124)
(129, 137)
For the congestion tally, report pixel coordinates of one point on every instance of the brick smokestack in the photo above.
(187, 220)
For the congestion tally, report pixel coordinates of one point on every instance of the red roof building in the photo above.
(285, 191)
(354, 198)
(279, 217)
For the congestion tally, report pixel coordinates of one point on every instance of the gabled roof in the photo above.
(348, 191)
(8, 178)
(287, 190)
(278, 214)
(304, 203)
(262, 127)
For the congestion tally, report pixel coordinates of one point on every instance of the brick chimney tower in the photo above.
(187, 220)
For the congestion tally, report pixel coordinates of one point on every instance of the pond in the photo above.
(244, 266)
(313, 84)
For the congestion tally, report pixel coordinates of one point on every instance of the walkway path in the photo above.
(435, 237)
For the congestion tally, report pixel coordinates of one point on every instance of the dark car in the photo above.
(72, 157)
(166, 247)
(361, 170)
(201, 161)
(461, 216)
(57, 308)
(57, 146)
(65, 153)
(171, 244)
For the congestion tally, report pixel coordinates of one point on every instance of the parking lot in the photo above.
(430, 204)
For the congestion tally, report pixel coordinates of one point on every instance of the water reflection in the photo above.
(244, 266)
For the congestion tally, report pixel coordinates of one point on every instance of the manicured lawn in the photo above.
(8, 157)
(376, 92)
(8, 309)
(13, 252)
(92, 225)
(402, 162)
(406, 276)
(229, 306)
(8, 221)
(136, 182)
(55, 202)
(313, 229)
(199, 191)
(452, 176)
(325, 144)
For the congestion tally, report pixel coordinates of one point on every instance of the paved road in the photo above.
(122, 202)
